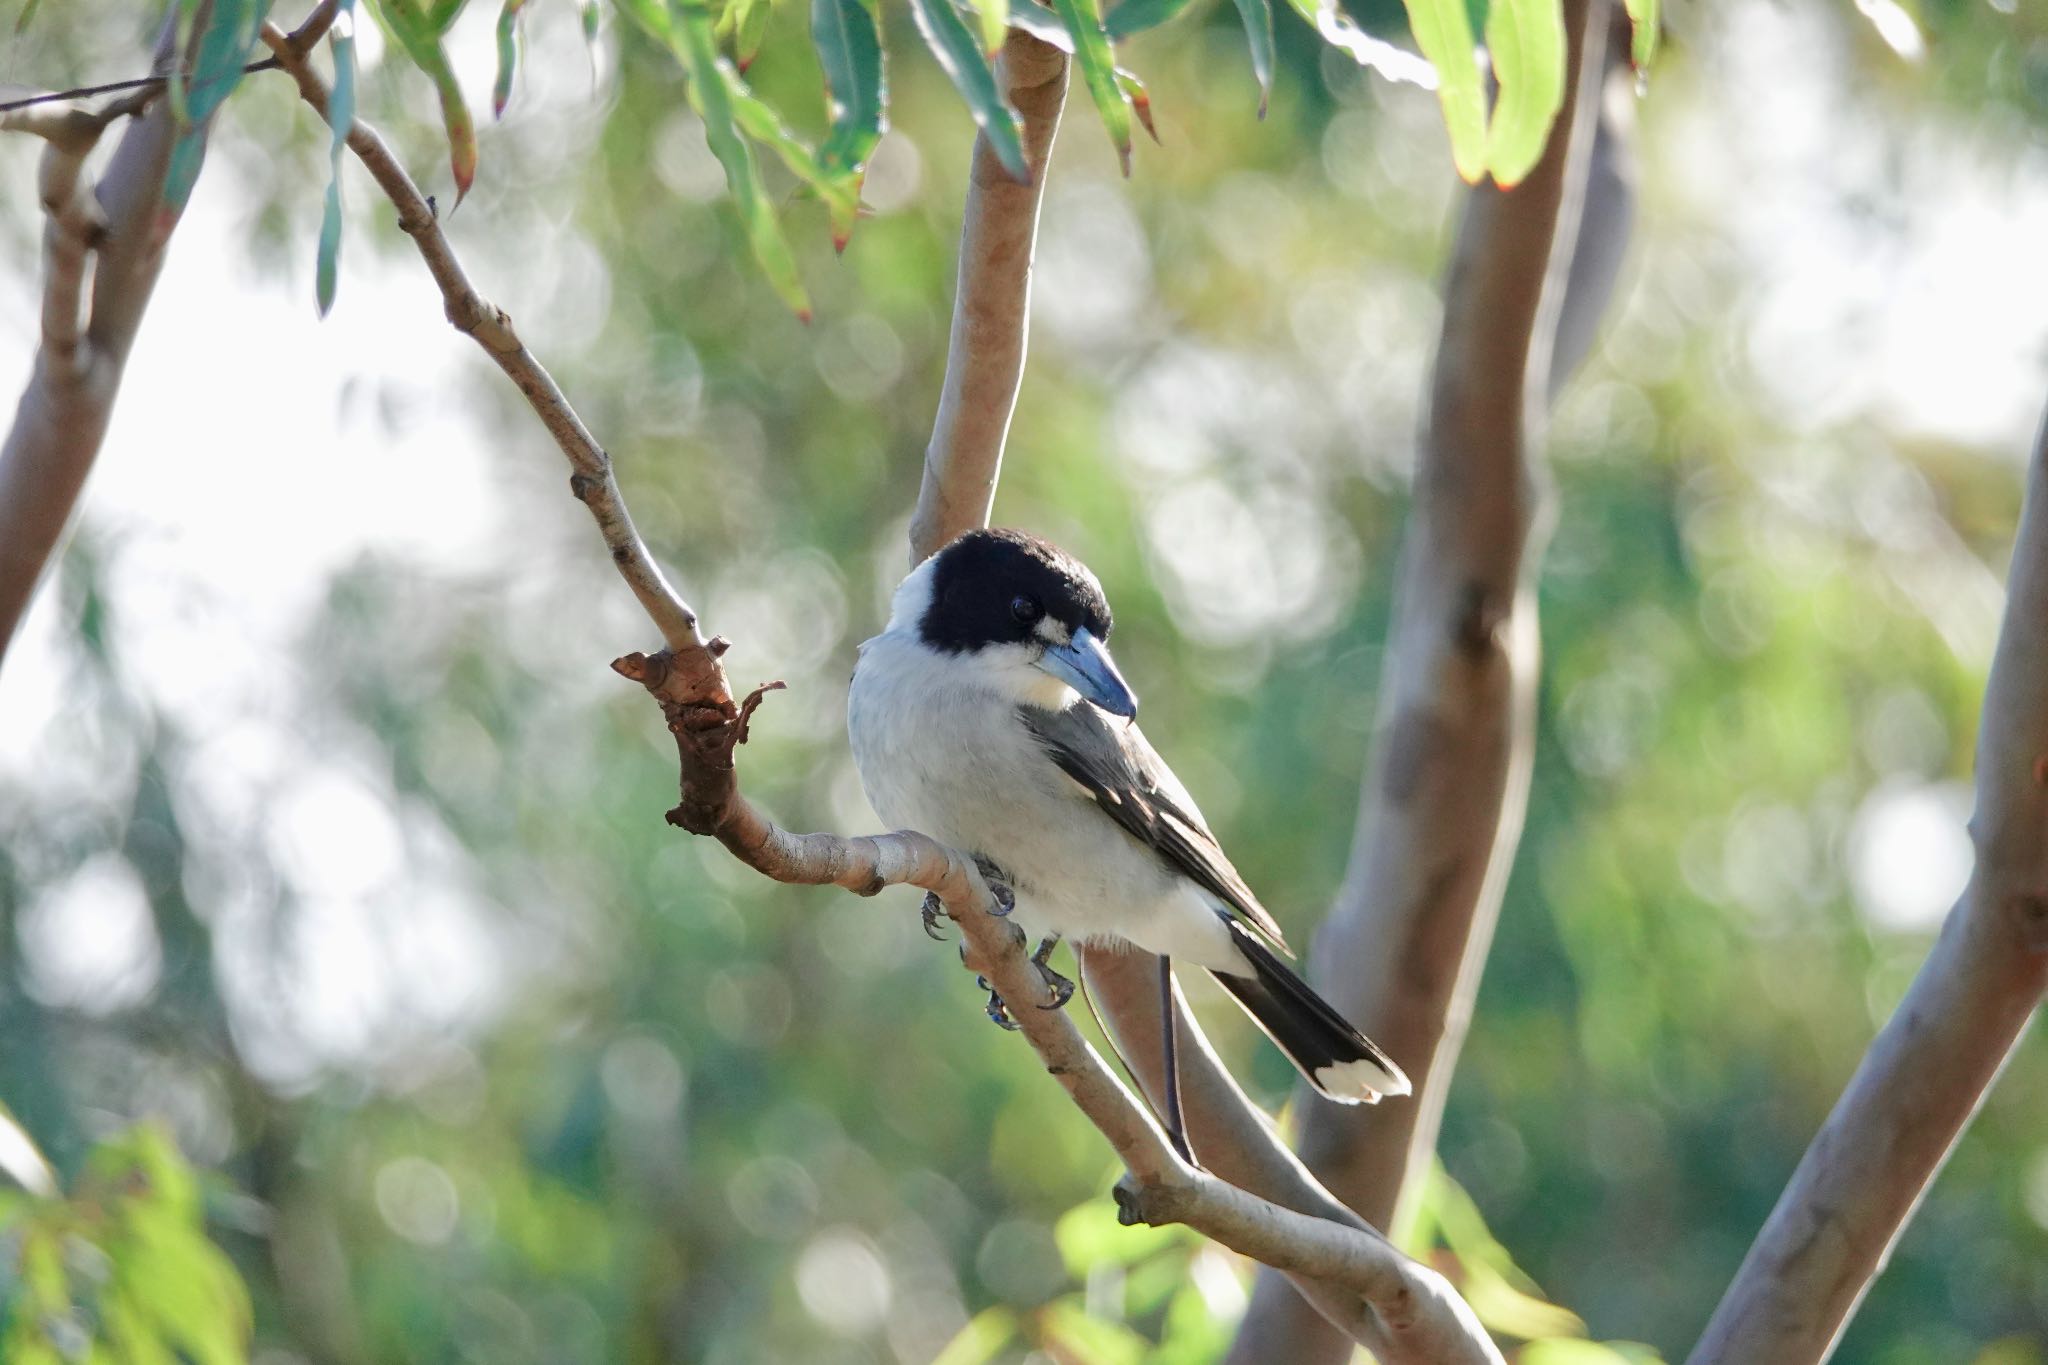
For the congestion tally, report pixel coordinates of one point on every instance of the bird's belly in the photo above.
(989, 790)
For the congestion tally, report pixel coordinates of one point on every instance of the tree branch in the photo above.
(1937, 1056)
(491, 328)
(1421, 1316)
(121, 232)
(1444, 796)
(991, 307)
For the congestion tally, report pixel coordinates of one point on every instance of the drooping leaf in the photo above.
(508, 55)
(960, 56)
(697, 48)
(1258, 32)
(220, 50)
(1444, 33)
(1135, 16)
(1526, 38)
(749, 30)
(1141, 100)
(1645, 15)
(849, 43)
(1097, 60)
(419, 31)
(995, 22)
(341, 113)
(839, 190)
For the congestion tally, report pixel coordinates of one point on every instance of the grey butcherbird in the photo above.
(990, 716)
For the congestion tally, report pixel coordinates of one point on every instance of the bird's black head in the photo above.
(1009, 587)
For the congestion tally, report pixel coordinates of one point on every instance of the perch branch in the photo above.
(991, 307)
(1413, 1314)
(1443, 799)
(591, 478)
(1936, 1058)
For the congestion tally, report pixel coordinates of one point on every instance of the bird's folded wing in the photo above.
(1132, 783)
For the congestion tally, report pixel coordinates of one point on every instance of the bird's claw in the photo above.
(998, 887)
(934, 910)
(998, 1012)
(1061, 988)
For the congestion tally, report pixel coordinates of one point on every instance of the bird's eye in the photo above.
(1025, 609)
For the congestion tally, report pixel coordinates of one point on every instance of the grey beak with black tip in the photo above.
(1083, 663)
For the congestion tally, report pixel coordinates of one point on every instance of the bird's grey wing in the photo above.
(1132, 784)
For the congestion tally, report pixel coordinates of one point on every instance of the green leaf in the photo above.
(444, 14)
(341, 113)
(849, 43)
(839, 190)
(217, 56)
(995, 22)
(1066, 1323)
(1643, 14)
(592, 13)
(1092, 51)
(1135, 16)
(416, 31)
(1141, 101)
(508, 55)
(28, 12)
(1444, 33)
(750, 28)
(1258, 32)
(966, 65)
(1526, 38)
(697, 49)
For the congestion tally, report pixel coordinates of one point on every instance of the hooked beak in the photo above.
(1083, 663)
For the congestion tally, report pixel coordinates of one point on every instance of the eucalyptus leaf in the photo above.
(1527, 41)
(960, 56)
(1097, 60)
(1135, 16)
(341, 114)
(1647, 17)
(1444, 33)
(1258, 32)
(697, 49)
(508, 55)
(849, 43)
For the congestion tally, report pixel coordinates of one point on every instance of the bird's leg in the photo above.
(998, 886)
(934, 910)
(1061, 988)
(1176, 1125)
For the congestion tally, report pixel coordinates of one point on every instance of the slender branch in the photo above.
(1936, 1058)
(491, 328)
(991, 307)
(689, 682)
(1444, 796)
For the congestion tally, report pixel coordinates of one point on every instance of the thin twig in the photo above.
(1937, 1056)
(152, 84)
(591, 480)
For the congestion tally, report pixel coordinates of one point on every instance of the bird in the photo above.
(990, 715)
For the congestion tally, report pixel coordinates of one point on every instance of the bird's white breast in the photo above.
(941, 751)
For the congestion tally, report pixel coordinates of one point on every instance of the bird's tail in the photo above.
(1338, 1060)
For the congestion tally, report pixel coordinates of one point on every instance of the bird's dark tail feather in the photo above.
(1338, 1060)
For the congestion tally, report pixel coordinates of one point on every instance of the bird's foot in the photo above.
(998, 1012)
(934, 910)
(998, 887)
(1062, 989)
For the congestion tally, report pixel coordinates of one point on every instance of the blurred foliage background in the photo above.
(330, 846)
